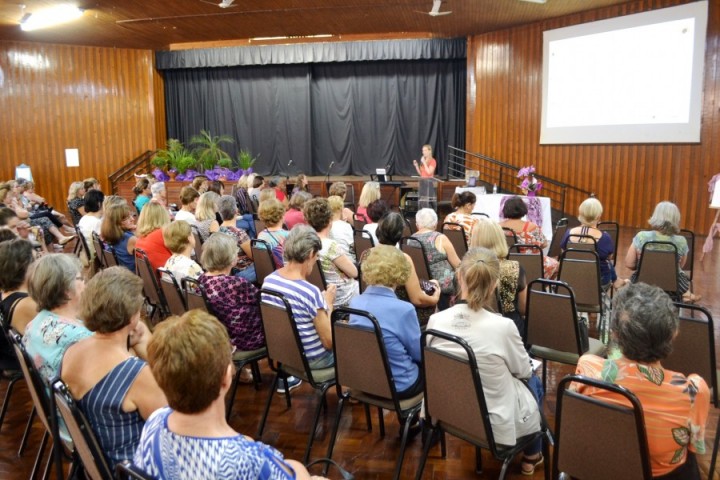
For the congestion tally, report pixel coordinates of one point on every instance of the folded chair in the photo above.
(286, 356)
(597, 439)
(464, 413)
(363, 373)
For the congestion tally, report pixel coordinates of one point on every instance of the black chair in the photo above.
(464, 413)
(263, 259)
(317, 276)
(240, 360)
(363, 373)
(510, 236)
(613, 431)
(151, 288)
(87, 448)
(172, 292)
(456, 234)
(198, 245)
(358, 221)
(560, 228)
(128, 471)
(195, 297)
(658, 265)
(362, 241)
(286, 356)
(612, 229)
(416, 251)
(83, 246)
(689, 266)
(530, 258)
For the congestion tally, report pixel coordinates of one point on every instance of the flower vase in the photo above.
(172, 175)
(530, 193)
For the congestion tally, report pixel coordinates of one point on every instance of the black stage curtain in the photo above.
(359, 115)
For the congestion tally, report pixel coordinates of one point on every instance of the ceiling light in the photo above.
(50, 17)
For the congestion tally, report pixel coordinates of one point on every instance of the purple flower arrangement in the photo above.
(529, 183)
(215, 174)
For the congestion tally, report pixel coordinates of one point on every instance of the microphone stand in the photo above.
(327, 177)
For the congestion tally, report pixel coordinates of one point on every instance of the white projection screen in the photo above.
(631, 79)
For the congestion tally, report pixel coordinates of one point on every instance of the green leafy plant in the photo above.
(175, 156)
(245, 159)
(208, 149)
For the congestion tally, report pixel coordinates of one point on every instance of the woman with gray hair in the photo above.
(644, 324)
(56, 283)
(311, 308)
(227, 207)
(441, 256)
(665, 223)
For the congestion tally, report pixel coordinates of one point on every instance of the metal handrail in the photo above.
(504, 175)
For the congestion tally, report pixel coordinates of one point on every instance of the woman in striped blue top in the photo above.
(113, 388)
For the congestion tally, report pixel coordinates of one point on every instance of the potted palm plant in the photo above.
(174, 159)
(208, 149)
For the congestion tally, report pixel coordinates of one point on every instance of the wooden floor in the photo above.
(363, 453)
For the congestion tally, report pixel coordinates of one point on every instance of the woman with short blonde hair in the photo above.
(205, 218)
(76, 202)
(370, 192)
(272, 213)
(153, 219)
(180, 240)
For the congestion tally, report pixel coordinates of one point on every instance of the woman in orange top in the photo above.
(426, 167)
(644, 323)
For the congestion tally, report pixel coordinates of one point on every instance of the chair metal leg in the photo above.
(544, 375)
(426, 450)
(547, 439)
(443, 445)
(28, 426)
(40, 453)
(6, 401)
(716, 443)
(333, 436)
(233, 391)
(478, 461)
(368, 419)
(311, 437)
(288, 401)
(261, 427)
(403, 445)
(503, 471)
(257, 376)
(381, 420)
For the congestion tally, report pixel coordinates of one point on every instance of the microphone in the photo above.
(331, 165)
(290, 162)
(329, 169)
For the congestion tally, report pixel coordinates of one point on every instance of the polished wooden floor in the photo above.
(363, 453)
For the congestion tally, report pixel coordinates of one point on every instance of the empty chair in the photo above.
(362, 241)
(263, 259)
(553, 330)
(287, 356)
(658, 265)
(456, 235)
(464, 414)
(369, 381)
(613, 432)
(172, 292)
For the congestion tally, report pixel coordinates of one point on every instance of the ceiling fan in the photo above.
(435, 11)
(222, 4)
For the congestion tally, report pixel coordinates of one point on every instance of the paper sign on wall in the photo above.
(715, 202)
(72, 157)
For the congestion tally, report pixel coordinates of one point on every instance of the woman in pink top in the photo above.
(426, 167)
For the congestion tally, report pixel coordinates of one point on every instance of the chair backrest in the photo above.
(195, 296)
(198, 245)
(658, 266)
(560, 229)
(612, 229)
(530, 257)
(358, 221)
(35, 383)
(99, 248)
(86, 445)
(412, 223)
(690, 259)
(456, 234)
(614, 431)
(259, 225)
(510, 236)
(172, 292)
(351, 343)
(151, 287)
(464, 413)
(317, 277)
(128, 471)
(693, 349)
(412, 247)
(580, 242)
(281, 335)
(580, 269)
(83, 245)
(481, 214)
(349, 195)
(263, 259)
(362, 241)
(551, 319)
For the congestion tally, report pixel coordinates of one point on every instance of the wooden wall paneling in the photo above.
(99, 100)
(503, 121)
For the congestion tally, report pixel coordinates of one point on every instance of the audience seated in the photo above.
(55, 285)
(153, 219)
(389, 232)
(200, 183)
(216, 186)
(179, 239)
(279, 186)
(337, 266)
(311, 308)
(92, 219)
(441, 256)
(294, 215)
(340, 189)
(375, 211)
(512, 284)
(271, 212)
(340, 230)
(258, 184)
(665, 223)
(463, 205)
(190, 358)
(370, 192)
(205, 219)
(142, 193)
(233, 299)
(503, 363)
(245, 208)
(91, 183)
(644, 323)
(526, 232)
(76, 201)
(189, 200)
(301, 184)
(228, 212)
(384, 269)
(589, 215)
(117, 230)
(113, 388)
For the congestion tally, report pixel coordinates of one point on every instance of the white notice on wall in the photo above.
(72, 157)
(715, 202)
